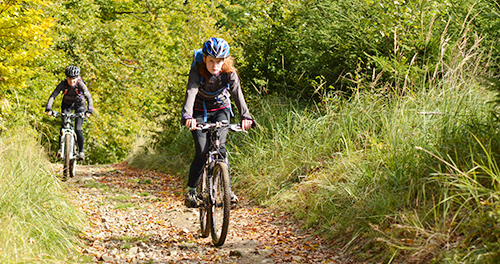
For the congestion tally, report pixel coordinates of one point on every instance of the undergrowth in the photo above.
(38, 223)
(393, 174)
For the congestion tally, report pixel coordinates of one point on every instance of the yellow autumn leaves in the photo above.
(23, 36)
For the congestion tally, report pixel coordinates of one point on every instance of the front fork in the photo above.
(210, 180)
(62, 146)
(210, 185)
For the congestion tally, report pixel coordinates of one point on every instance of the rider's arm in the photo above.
(191, 92)
(87, 95)
(55, 93)
(239, 99)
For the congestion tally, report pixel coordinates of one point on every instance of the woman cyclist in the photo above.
(74, 91)
(210, 84)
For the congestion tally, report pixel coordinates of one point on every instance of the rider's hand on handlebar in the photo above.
(191, 123)
(246, 124)
(49, 112)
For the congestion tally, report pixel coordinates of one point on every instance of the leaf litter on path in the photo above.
(138, 216)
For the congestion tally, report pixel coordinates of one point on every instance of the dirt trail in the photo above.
(138, 216)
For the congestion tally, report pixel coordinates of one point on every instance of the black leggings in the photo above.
(67, 109)
(202, 143)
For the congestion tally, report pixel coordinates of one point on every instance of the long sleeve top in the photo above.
(72, 95)
(213, 94)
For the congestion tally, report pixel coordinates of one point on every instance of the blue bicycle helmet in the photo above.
(72, 71)
(216, 47)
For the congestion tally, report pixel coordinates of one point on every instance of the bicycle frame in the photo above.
(71, 132)
(68, 139)
(68, 129)
(211, 185)
(214, 155)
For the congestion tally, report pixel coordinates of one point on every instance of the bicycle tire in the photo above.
(72, 163)
(221, 204)
(67, 156)
(72, 168)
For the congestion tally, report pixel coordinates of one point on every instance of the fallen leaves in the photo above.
(138, 216)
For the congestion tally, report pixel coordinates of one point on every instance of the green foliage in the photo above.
(356, 157)
(23, 31)
(356, 172)
(134, 57)
(404, 168)
(23, 37)
(171, 151)
(309, 48)
(39, 224)
(362, 170)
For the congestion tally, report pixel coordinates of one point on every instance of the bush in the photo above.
(306, 48)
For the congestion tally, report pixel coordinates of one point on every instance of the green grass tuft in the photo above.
(39, 224)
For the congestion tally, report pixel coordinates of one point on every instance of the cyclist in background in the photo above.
(211, 82)
(74, 91)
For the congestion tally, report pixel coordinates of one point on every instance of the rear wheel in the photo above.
(203, 194)
(221, 206)
(67, 156)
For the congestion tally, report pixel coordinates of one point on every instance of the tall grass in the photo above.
(391, 176)
(38, 223)
(356, 170)
(411, 177)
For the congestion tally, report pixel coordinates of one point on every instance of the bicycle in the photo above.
(68, 146)
(214, 187)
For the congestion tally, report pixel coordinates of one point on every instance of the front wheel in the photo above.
(67, 156)
(72, 167)
(72, 163)
(221, 203)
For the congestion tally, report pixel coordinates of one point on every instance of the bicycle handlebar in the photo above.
(232, 127)
(70, 115)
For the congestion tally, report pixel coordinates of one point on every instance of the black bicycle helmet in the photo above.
(72, 71)
(217, 48)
